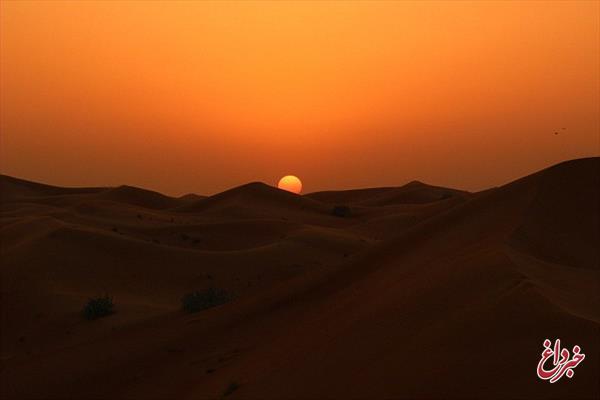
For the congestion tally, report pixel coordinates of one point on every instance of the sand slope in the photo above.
(414, 192)
(14, 188)
(422, 293)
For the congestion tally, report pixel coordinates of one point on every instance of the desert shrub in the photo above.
(232, 387)
(203, 299)
(445, 195)
(341, 211)
(97, 307)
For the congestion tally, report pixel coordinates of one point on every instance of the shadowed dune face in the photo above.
(412, 193)
(18, 189)
(254, 199)
(562, 223)
(140, 197)
(421, 292)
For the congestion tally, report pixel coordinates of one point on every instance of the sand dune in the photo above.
(414, 192)
(14, 188)
(190, 197)
(255, 196)
(139, 197)
(424, 292)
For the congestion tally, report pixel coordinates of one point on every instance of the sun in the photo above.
(290, 183)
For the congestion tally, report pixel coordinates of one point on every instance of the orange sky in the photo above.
(199, 96)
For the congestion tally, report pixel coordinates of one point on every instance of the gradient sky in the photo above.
(199, 96)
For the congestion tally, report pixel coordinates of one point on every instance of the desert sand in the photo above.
(422, 292)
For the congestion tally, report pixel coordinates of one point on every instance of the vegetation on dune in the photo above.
(203, 299)
(232, 387)
(98, 307)
(341, 211)
(446, 195)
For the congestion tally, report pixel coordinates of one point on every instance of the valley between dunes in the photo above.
(422, 292)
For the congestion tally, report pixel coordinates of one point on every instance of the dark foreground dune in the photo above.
(423, 292)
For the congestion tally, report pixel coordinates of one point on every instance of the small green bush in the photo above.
(98, 307)
(445, 195)
(203, 299)
(341, 211)
(232, 387)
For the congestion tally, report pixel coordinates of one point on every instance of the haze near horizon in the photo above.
(198, 97)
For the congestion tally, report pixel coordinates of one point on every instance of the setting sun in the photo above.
(290, 183)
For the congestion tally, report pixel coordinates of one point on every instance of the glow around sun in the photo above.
(290, 183)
